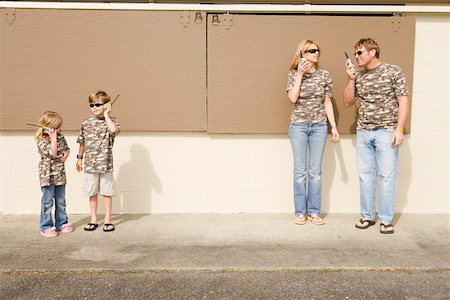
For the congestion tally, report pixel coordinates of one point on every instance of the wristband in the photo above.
(399, 129)
(80, 156)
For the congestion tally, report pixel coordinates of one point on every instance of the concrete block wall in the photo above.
(199, 172)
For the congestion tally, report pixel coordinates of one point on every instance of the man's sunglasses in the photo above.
(312, 51)
(359, 52)
(96, 104)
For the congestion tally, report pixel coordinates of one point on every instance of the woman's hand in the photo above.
(334, 135)
(303, 66)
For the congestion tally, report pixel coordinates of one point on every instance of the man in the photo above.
(382, 91)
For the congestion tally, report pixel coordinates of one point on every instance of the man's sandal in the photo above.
(386, 228)
(90, 227)
(364, 224)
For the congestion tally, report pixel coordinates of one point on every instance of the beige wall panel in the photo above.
(248, 63)
(53, 59)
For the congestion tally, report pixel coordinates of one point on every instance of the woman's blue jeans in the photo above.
(377, 161)
(56, 193)
(311, 138)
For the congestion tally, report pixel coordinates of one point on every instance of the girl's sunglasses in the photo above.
(312, 51)
(96, 105)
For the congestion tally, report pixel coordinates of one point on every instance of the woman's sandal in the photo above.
(90, 227)
(386, 228)
(363, 224)
(316, 219)
(300, 220)
(108, 227)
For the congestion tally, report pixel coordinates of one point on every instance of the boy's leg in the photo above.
(107, 203)
(93, 202)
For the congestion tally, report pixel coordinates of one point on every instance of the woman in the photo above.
(309, 89)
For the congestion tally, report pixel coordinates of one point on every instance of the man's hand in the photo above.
(397, 138)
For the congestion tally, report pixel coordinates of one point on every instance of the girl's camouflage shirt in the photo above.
(309, 107)
(98, 142)
(378, 89)
(51, 170)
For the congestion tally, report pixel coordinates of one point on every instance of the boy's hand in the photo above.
(107, 107)
(79, 165)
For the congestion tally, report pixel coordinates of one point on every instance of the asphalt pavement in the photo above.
(226, 256)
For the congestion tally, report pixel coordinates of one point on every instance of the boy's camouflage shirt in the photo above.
(51, 170)
(98, 142)
(377, 89)
(309, 107)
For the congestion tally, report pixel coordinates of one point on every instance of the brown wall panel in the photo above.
(248, 63)
(53, 59)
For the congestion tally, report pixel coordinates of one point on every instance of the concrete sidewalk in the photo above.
(227, 242)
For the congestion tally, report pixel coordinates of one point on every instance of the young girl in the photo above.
(52, 147)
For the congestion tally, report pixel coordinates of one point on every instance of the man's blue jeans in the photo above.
(311, 136)
(377, 159)
(56, 193)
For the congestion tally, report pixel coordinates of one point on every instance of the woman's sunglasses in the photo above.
(312, 51)
(96, 104)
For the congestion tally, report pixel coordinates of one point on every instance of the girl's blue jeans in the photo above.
(311, 138)
(53, 194)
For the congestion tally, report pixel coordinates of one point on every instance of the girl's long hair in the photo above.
(49, 119)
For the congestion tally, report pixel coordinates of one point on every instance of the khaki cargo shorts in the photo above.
(99, 183)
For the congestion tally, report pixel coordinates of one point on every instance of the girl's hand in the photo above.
(65, 155)
(52, 133)
(334, 135)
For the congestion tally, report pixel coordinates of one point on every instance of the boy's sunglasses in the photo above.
(96, 104)
(312, 51)
(359, 52)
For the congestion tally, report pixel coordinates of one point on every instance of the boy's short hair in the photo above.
(99, 96)
(369, 44)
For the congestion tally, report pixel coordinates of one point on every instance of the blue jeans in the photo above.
(56, 193)
(377, 159)
(311, 136)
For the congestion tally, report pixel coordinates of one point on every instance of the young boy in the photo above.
(96, 140)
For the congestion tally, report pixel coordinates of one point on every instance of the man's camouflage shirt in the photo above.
(377, 90)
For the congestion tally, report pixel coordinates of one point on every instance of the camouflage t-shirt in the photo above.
(309, 107)
(51, 170)
(378, 89)
(98, 142)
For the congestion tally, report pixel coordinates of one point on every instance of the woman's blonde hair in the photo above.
(49, 119)
(302, 47)
(99, 95)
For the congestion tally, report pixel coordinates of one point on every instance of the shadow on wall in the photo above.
(136, 182)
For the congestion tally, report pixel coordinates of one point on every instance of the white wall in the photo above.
(197, 172)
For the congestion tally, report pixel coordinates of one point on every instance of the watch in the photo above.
(80, 156)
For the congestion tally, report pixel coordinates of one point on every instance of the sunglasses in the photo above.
(312, 51)
(359, 52)
(96, 104)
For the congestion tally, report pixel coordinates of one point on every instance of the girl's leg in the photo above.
(46, 220)
(60, 206)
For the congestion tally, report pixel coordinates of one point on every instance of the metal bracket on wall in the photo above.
(198, 17)
(227, 20)
(396, 22)
(11, 15)
(185, 18)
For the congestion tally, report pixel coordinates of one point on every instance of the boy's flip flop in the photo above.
(386, 228)
(108, 227)
(90, 227)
